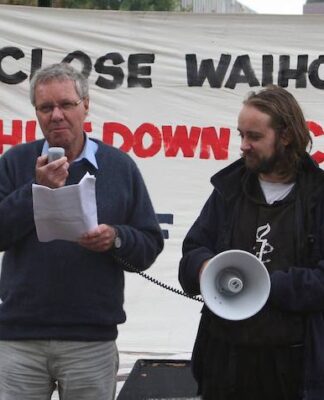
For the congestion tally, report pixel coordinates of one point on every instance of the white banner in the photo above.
(166, 88)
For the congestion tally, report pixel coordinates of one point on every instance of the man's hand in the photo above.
(53, 174)
(204, 264)
(100, 239)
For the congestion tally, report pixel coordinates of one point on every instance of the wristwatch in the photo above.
(117, 240)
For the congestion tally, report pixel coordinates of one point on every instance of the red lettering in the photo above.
(112, 128)
(147, 140)
(180, 140)
(87, 127)
(30, 131)
(12, 139)
(219, 144)
(317, 130)
(138, 145)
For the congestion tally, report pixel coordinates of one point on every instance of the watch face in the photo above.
(117, 242)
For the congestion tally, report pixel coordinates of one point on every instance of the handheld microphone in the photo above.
(54, 153)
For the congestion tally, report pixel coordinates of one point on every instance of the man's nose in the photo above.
(245, 144)
(57, 113)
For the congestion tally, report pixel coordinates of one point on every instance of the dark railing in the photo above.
(44, 3)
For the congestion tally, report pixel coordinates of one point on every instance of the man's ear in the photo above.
(284, 137)
(86, 104)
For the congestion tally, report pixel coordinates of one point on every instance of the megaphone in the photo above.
(235, 285)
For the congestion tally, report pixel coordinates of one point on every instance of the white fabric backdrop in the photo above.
(160, 322)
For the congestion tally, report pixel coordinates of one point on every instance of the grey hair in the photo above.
(59, 72)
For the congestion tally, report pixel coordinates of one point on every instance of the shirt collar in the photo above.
(88, 153)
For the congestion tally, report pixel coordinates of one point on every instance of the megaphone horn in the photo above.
(235, 285)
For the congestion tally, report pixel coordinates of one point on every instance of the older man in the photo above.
(62, 301)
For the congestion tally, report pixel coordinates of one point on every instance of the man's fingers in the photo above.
(41, 161)
(58, 163)
(99, 239)
(53, 174)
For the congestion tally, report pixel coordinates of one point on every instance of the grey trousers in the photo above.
(32, 369)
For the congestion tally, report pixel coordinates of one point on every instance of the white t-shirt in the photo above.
(275, 191)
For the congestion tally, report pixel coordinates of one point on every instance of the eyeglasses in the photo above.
(64, 106)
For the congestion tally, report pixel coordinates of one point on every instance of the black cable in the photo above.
(155, 281)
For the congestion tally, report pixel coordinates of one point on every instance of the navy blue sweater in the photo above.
(60, 290)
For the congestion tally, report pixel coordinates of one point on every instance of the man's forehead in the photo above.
(60, 86)
(64, 81)
(249, 112)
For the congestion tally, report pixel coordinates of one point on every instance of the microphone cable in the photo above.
(155, 281)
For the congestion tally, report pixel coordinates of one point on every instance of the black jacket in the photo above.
(298, 289)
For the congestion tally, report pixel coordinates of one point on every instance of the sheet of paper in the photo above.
(65, 213)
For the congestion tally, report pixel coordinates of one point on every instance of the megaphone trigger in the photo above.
(235, 285)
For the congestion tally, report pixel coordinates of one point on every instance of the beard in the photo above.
(276, 163)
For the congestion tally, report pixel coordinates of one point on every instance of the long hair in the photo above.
(61, 72)
(287, 120)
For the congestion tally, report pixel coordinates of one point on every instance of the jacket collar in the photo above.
(228, 181)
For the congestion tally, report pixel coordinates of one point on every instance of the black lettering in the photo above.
(267, 70)
(242, 64)
(206, 70)
(15, 53)
(36, 61)
(286, 73)
(313, 73)
(84, 59)
(134, 70)
(116, 72)
(165, 219)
